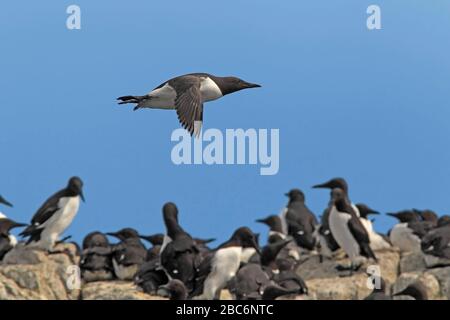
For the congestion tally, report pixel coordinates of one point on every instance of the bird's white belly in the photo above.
(226, 262)
(60, 220)
(161, 98)
(403, 238)
(341, 233)
(2, 215)
(209, 90)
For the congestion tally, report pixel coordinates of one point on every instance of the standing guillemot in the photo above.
(129, 254)
(7, 240)
(221, 265)
(186, 94)
(326, 241)
(377, 241)
(301, 222)
(180, 257)
(348, 230)
(437, 241)
(54, 216)
(276, 229)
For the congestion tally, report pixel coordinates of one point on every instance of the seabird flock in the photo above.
(181, 267)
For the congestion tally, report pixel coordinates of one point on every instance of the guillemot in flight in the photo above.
(348, 230)
(54, 216)
(186, 94)
(301, 222)
(7, 240)
(377, 241)
(129, 254)
(222, 264)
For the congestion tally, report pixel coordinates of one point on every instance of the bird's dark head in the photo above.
(232, 84)
(428, 215)
(272, 221)
(155, 239)
(295, 195)
(406, 216)
(7, 224)
(95, 239)
(443, 221)
(365, 210)
(6, 203)
(170, 211)
(124, 234)
(75, 186)
(246, 238)
(334, 183)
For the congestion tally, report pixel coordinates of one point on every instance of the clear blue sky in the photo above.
(371, 106)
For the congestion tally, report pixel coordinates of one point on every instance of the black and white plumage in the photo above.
(96, 258)
(54, 216)
(7, 240)
(327, 243)
(128, 255)
(288, 278)
(222, 264)
(407, 234)
(301, 222)
(276, 228)
(437, 241)
(347, 229)
(186, 94)
(377, 241)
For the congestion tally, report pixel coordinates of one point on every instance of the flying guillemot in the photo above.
(54, 216)
(186, 94)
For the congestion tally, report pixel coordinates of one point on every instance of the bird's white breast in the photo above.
(338, 222)
(209, 90)
(404, 238)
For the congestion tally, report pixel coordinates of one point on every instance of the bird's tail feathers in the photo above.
(130, 99)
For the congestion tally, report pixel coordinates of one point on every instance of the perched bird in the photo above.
(377, 241)
(186, 94)
(249, 282)
(181, 256)
(155, 239)
(270, 253)
(222, 264)
(175, 289)
(415, 290)
(348, 230)
(437, 241)
(327, 244)
(151, 276)
(405, 234)
(96, 258)
(54, 216)
(288, 278)
(7, 240)
(129, 254)
(276, 229)
(300, 220)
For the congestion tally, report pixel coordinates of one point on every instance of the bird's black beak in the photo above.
(391, 214)
(6, 203)
(261, 220)
(321, 186)
(112, 234)
(146, 238)
(82, 196)
(251, 85)
(18, 224)
(374, 212)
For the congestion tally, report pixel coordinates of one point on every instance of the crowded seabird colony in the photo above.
(176, 265)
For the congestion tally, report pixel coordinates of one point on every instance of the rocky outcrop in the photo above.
(31, 274)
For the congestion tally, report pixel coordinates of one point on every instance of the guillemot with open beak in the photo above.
(186, 94)
(54, 216)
